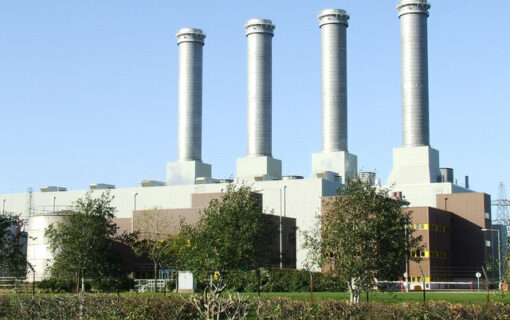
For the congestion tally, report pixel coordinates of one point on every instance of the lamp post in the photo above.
(134, 200)
(3, 206)
(54, 199)
(499, 252)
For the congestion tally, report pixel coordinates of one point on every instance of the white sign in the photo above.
(405, 274)
(478, 274)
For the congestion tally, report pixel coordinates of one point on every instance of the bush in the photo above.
(113, 285)
(280, 280)
(95, 307)
(282, 309)
(55, 285)
(110, 307)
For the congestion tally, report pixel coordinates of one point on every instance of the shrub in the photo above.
(95, 307)
(280, 280)
(57, 285)
(113, 285)
(282, 308)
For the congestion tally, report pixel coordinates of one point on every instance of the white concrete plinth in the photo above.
(259, 168)
(343, 163)
(414, 165)
(186, 172)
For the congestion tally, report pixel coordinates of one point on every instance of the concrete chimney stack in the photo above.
(416, 162)
(191, 42)
(333, 24)
(334, 156)
(413, 16)
(259, 163)
(259, 34)
(189, 166)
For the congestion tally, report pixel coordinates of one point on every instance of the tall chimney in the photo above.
(333, 24)
(259, 34)
(191, 42)
(413, 16)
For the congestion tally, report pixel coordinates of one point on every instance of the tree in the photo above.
(12, 258)
(157, 242)
(232, 234)
(83, 243)
(361, 237)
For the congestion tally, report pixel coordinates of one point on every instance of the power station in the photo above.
(416, 174)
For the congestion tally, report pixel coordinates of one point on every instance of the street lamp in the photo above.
(499, 252)
(3, 206)
(54, 199)
(134, 200)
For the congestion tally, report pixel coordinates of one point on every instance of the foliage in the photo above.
(211, 306)
(83, 243)
(88, 307)
(162, 248)
(113, 285)
(232, 234)
(281, 280)
(57, 285)
(111, 307)
(282, 308)
(12, 259)
(361, 237)
(61, 285)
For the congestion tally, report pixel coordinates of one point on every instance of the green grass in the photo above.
(392, 297)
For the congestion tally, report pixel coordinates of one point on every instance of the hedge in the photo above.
(90, 307)
(283, 309)
(56, 285)
(110, 307)
(280, 280)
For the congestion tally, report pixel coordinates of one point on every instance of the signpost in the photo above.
(478, 275)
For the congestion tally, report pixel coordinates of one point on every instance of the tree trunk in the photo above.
(155, 276)
(353, 291)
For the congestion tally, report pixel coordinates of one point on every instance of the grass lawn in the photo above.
(387, 297)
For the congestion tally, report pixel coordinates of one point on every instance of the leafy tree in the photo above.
(12, 259)
(361, 237)
(232, 234)
(83, 244)
(157, 243)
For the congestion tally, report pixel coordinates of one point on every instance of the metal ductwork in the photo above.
(259, 34)
(191, 42)
(413, 16)
(333, 24)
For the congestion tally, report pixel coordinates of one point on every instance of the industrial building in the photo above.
(416, 175)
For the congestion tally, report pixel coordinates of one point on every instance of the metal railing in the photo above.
(145, 285)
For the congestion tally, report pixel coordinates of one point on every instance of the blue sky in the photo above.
(88, 89)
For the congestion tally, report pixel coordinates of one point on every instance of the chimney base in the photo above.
(259, 168)
(414, 165)
(342, 163)
(186, 172)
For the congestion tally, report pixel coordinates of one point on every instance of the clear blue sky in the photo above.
(88, 89)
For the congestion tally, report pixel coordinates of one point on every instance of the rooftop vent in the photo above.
(367, 177)
(329, 175)
(205, 180)
(292, 177)
(152, 183)
(101, 186)
(53, 189)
